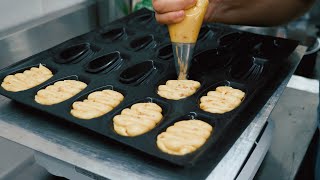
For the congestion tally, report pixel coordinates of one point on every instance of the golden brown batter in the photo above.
(26, 80)
(137, 120)
(178, 89)
(187, 31)
(223, 99)
(97, 104)
(184, 137)
(59, 91)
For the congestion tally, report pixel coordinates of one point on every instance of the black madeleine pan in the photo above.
(133, 56)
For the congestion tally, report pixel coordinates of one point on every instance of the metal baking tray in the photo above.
(133, 56)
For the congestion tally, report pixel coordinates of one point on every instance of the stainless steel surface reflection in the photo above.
(43, 33)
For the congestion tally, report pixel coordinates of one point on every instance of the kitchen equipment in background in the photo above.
(47, 30)
(139, 4)
(307, 65)
(110, 10)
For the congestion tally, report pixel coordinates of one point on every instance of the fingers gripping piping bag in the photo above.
(184, 36)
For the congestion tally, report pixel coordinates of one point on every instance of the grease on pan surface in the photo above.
(59, 91)
(223, 99)
(184, 137)
(97, 104)
(137, 120)
(178, 89)
(26, 80)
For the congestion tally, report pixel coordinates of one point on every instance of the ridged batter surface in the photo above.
(97, 104)
(184, 137)
(26, 80)
(223, 99)
(59, 91)
(137, 120)
(178, 89)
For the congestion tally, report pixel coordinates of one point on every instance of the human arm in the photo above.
(244, 12)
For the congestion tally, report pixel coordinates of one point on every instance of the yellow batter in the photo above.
(137, 120)
(184, 137)
(59, 91)
(178, 89)
(26, 80)
(187, 31)
(223, 99)
(97, 104)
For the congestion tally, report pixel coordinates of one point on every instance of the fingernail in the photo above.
(180, 13)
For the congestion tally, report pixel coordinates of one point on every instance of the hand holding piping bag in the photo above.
(187, 31)
(184, 35)
(178, 15)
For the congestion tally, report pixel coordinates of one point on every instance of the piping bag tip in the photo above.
(183, 55)
(184, 36)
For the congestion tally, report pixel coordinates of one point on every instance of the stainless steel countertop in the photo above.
(88, 151)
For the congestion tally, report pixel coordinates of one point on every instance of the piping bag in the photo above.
(184, 35)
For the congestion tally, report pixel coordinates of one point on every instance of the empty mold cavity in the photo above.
(249, 68)
(165, 52)
(106, 62)
(274, 48)
(142, 19)
(229, 39)
(209, 60)
(137, 73)
(74, 53)
(114, 34)
(204, 32)
(142, 42)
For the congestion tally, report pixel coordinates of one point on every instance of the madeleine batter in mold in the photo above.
(97, 104)
(137, 120)
(184, 137)
(59, 91)
(222, 100)
(178, 89)
(26, 80)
